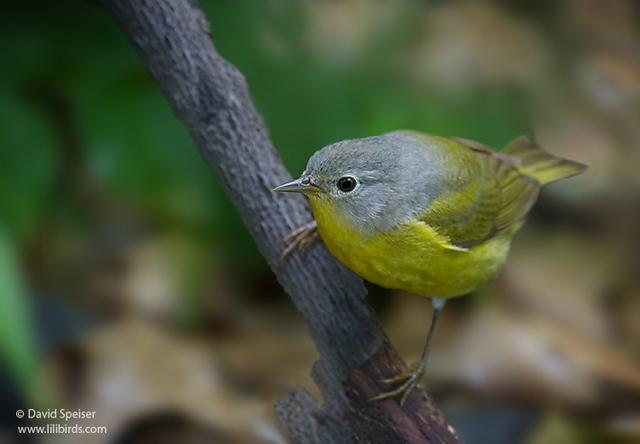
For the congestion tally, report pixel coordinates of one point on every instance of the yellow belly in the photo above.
(410, 257)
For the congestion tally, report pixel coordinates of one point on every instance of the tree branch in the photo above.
(211, 98)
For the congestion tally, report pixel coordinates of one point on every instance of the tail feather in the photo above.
(535, 162)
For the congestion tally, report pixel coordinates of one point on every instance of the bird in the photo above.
(425, 214)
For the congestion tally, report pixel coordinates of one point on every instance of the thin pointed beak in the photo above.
(301, 185)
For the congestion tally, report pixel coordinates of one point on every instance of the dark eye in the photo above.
(347, 184)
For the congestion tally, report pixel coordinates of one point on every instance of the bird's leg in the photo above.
(299, 239)
(411, 378)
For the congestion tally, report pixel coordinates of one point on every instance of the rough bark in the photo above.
(211, 99)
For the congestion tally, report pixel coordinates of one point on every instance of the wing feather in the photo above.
(486, 196)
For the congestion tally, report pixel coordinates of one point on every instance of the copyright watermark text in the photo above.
(58, 421)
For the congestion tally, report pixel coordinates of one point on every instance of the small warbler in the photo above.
(425, 214)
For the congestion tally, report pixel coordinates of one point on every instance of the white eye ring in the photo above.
(347, 184)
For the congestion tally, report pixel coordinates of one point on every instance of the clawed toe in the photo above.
(403, 391)
(409, 382)
(401, 377)
(299, 239)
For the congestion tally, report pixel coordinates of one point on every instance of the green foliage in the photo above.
(17, 345)
(27, 163)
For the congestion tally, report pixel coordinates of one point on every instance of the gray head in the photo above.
(377, 182)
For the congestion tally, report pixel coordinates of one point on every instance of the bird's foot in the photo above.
(409, 380)
(299, 239)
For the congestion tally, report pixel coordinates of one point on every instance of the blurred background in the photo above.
(129, 286)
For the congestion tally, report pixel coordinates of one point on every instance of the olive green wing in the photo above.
(485, 195)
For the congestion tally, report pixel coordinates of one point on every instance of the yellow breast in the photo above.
(411, 257)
